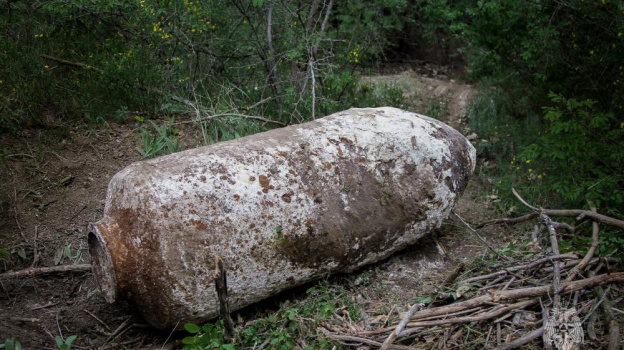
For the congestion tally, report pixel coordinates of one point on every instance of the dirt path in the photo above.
(53, 183)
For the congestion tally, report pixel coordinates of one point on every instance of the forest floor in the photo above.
(53, 183)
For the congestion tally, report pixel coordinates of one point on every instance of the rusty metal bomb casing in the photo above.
(281, 208)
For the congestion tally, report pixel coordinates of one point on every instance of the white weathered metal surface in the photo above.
(281, 208)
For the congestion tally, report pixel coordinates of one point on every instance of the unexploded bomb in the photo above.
(281, 208)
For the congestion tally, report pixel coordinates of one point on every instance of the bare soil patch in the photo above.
(53, 183)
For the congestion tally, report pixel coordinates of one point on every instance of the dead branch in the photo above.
(614, 335)
(481, 238)
(220, 280)
(70, 63)
(590, 253)
(35, 271)
(350, 338)
(521, 267)
(556, 265)
(427, 317)
(508, 221)
(525, 339)
(515, 193)
(479, 317)
(214, 116)
(610, 322)
(581, 215)
(399, 328)
(453, 276)
(123, 327)
(530, 292)
(97, 319)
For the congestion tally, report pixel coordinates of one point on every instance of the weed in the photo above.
(11, 344)
(65, 344)
(66, 252)
(437, 108)
(209, 336)
(292, 325)
(162, 140)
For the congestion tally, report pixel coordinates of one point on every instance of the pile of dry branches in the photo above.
(552, 296)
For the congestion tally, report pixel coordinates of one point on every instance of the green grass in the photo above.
(294, 325)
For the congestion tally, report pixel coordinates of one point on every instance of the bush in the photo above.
(560, 60)
(99, 60)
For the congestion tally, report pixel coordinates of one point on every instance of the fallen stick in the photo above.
(499, 296)
(610, 321)
(35, 271)
(220, 280)
(554, 244)
(399, 328)
(479, 317)
(525, 339)
(590, 253)
(453, 276)
(481, 238)
(521, 267)
(581, 215)
(530, 292)
(351, 338)
(213, 116)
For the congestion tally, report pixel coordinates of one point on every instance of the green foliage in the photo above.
(576, 157)
(553, 127)
(65, 344)
(11, 344)
(500, 132)
(209, 336)
(4, 253)
(98, 60)
(162, 140)
(282, 330)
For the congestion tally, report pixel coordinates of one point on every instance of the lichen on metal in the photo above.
(281, 208)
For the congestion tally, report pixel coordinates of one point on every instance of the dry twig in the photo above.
(590, 253)
(399, 328)
(481, 238)
(35, 271)
(220, 280)
(221, 115)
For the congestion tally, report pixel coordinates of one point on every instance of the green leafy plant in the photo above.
(67, 252)
(208, 336)
(282, 330)
(65, 344)
(11, 344)
(163, 140)
(575, 157)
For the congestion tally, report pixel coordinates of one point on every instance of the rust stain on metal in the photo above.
(264, 182)
(286, 197)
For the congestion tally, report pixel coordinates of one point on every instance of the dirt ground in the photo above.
(53, 183)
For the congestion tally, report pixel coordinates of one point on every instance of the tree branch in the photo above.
(35, 271)
(70, 63)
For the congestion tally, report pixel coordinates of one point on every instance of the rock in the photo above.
(281, 208)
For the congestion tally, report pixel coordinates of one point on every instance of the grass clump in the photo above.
(293, 326)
